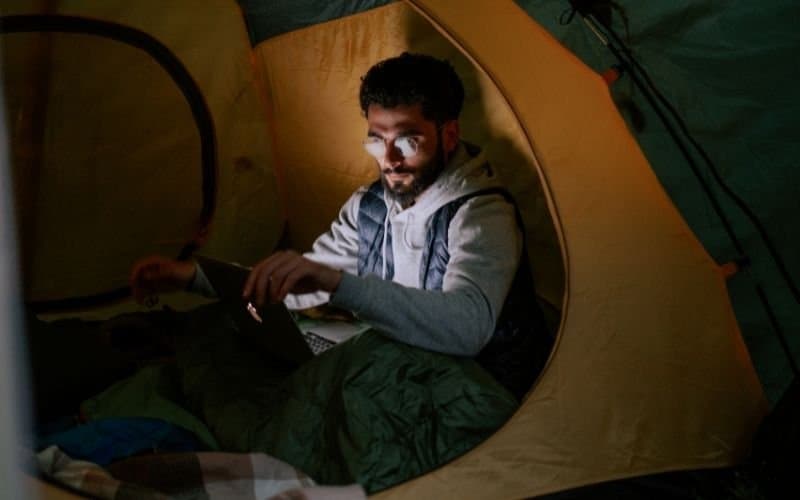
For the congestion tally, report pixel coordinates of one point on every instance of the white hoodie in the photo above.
(484, 242)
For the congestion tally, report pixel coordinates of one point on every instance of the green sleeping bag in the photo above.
(370, 410)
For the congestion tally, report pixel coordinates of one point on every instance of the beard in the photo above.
(421, 178)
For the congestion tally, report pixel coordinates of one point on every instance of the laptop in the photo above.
(275, 331)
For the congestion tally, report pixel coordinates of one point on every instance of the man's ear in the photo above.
(451, 132)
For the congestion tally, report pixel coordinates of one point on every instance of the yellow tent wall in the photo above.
(118, 170)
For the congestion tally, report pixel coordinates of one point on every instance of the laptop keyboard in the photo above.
(316, 343)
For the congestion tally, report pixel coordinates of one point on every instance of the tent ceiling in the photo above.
(268, 19)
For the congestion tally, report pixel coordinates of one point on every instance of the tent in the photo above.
(650, 372)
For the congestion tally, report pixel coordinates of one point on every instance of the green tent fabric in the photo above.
(731, 71)
(268, 19)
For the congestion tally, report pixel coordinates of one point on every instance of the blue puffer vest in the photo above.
(520, 344)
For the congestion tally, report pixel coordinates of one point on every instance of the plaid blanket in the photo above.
(206, 475)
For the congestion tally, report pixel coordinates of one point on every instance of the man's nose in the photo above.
(393, 156)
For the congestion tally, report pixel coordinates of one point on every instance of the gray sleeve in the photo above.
(485, 246)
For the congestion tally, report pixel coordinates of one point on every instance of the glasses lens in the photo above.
(406, 145)
(375, 146)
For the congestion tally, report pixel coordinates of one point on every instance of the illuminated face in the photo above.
(411, 151)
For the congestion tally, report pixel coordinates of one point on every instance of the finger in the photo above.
(250, 288)
(140, 291)
(251, 283)
(260, 286)
(143, 269)
(139, 282)
(276, 272)
(290, 282)
(279, 276)
(262, 282)
(151, 272)
(136, 271)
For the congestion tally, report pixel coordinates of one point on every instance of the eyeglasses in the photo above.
(407, 145)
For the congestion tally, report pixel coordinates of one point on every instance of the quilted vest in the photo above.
(519, 346)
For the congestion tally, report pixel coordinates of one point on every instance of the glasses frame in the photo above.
(406, 145)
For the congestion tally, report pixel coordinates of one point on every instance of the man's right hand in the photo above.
(156, 274)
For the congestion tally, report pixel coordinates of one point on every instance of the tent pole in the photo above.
(14, 403)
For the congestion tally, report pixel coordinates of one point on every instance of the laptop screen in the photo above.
(276, 333)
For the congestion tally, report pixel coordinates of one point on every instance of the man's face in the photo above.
(410, 150)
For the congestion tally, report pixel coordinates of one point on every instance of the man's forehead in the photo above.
(397, 117)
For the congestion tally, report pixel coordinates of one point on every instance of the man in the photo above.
(428, 254)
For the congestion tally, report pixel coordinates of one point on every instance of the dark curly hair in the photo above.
(410, 79)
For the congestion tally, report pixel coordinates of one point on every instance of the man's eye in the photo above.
(375, 146)
(406, 145)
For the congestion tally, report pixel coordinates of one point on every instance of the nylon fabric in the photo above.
(730, 70)
(370, 410)
(62, 147)
(520, 344)
(152, 392)
(107, 440)
(436, 254)
(105, 144)
(373, 226)
(269, 19)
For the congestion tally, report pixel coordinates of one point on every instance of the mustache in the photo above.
(396, 170)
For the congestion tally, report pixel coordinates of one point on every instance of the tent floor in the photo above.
(717, 484)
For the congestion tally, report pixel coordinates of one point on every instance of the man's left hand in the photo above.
(287, 272)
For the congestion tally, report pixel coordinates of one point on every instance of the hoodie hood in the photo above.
(466, 172)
